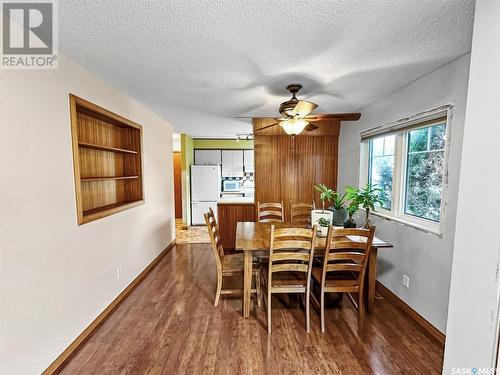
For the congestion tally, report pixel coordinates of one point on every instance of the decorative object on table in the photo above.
(323, 226)
(366, 197)
(351, 211)
(338, 209)
(326, 195)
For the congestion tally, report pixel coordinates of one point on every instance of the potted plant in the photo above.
(338, 209)
(326, 195)
(323, 226)
(366, 197)
(350, 222)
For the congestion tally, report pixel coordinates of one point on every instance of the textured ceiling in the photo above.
(199, 64)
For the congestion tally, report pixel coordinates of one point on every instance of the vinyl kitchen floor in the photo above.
(198, 234)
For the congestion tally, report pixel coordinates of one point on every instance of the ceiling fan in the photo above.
(296, 114)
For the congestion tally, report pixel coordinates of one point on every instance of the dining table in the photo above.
(252, 238)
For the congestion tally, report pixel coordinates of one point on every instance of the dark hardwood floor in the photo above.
(168, 325)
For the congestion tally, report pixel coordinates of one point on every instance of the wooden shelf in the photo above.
(107, 179)
(89, 179)
(110, 209)
(105, 148)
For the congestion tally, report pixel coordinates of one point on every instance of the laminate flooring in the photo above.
(168, 325)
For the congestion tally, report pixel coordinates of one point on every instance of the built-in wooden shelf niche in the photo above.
(107, 161)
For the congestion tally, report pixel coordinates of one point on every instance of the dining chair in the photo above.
(228, 264)
(270, 212)
(344, 266)
(300, 212)
(289, 268)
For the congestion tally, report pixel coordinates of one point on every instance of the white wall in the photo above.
(176, 140)
(424, 257)
(473, 312)
(56, 276)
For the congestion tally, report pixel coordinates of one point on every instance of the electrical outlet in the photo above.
(406, 280)
(118, 271)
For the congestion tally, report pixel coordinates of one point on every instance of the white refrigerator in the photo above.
(205, 191)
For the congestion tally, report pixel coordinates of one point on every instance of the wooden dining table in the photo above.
(253, 239)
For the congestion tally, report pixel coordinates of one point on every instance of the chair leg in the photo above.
(263, 294)
(219, 288)
(268, 312)
(361, 311)
(322, 310)
(259, 290)
(308, 320)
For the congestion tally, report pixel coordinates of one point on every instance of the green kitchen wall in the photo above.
(222, 144)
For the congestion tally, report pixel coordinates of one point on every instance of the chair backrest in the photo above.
(291, 249)
(215, 240)
(300, 212)
(347, 254)
(270, 212)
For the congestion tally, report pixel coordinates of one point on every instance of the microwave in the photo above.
(232, 185)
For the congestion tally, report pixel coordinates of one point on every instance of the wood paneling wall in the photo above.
(287, 168)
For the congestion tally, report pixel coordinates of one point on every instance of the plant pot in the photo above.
(323, 231)
(350, 223)
(318, 214)
(339, 216)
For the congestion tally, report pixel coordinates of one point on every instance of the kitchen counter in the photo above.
(230, 210)
(235, 200)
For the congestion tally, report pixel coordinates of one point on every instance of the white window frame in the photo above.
(401, 128)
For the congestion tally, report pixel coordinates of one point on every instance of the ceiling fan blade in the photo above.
(340, 116)
(258, 117)
(267, 127)
(302, 109)
(310, 127)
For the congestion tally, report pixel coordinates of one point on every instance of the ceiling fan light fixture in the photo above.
(293, 126)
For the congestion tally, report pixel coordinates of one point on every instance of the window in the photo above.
(407, 162)
(424, 172)
(382, 166)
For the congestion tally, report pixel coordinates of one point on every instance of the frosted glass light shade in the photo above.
(293, 126)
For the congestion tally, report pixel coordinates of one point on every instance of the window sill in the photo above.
(431, 228)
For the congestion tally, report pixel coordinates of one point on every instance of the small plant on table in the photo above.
(323, 225)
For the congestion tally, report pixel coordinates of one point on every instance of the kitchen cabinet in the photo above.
(207, 157)
(248, 160)
(238, 163)
(232, 163)
(227, 163)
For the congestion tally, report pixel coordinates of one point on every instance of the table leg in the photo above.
(372, 280)
(247, 282)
